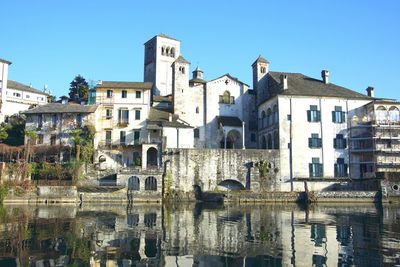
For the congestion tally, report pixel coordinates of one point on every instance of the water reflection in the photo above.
(200, 235)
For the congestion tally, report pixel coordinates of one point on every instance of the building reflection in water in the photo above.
(198, 235)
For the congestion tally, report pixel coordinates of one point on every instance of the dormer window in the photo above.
(263, 69)
(182, 70)
(109, 93)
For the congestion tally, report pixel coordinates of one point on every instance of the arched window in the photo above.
(263, 122)
(150, 183)
(276, 140)
(269, 117)
(275, 114)
(226, 98)
(163, 50)
(134, 183)
(167, 51)
(269, 141)
(197, 110)
(172, 54)
(381, 114)
(394, 114)
(264, 143)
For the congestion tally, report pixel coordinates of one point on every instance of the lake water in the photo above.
(199, 235)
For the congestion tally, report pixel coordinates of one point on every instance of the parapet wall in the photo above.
(257, 170)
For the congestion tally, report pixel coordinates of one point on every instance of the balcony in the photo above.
(123, 123)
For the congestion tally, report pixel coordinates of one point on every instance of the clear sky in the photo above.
(51, 41)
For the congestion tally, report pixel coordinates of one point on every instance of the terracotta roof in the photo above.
(5, 61)
(19, 86)
(302, 85)
(61, 108)
(125, 85)
(229, 121)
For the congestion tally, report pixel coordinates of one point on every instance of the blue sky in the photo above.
(51, 41)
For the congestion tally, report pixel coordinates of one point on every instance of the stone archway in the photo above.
(152, 157)
(230, 185)
(233, 139)
(133, 183)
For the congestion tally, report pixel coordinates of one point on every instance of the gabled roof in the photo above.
(61, 108)
(125, 85)
(229, 121)
(230, 77)
(302, 85)
(260, 59)
(5, 61)
(159, 118)
(181, 59)
(19, 86)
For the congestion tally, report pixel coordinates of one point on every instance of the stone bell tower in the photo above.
(160, 53)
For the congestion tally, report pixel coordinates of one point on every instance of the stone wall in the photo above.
(256, 170)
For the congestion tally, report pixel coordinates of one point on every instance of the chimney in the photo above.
(370, 91)
(284, 81)
(325, 76)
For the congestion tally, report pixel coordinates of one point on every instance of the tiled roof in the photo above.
(19, 86)
(181, 59)
(229, 121)
(159, 98)
(197, 81)
(231, 77)
(5, 61)
(301, 85)
(125, 85)
(260, 59)
(61, 108)
(159, 118)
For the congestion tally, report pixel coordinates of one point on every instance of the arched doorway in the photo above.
(233, 139)
(134, 183)
(230, 184)
(152, 157)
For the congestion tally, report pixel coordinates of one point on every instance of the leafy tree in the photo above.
(79, 88)
(12, 132)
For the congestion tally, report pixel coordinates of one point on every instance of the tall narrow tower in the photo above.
(3, 85)
(260, 71)
(160, 53)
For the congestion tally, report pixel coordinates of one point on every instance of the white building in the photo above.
(307, 120)
(221, 110)
(15, 96)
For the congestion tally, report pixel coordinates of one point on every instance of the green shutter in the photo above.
(333, 116)
(308, 115)
(318, 115)
(343, 117)
(310, 144)
(310, 169)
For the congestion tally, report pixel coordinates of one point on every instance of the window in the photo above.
(289, 117)
(269, 117)
(263, 119)
(316, 168)
(196, 133)
(172, 54)
(108, 137)
(123, 117)
(122, 137)
(137, 114)
(226, 98)
(339, 142)
(40, 98)
(124, 94)
(138, 94)
(263, 69)
(28, 96)
(150, 183)
(182, 70)
(53, 139)
(340, 168)
(54, 121)
(40, 139)
(136, 137)
(313, 115)
(40, 121)
(16, 94)
(253, 137)
(314, 141)
(197, 110)
(109, 113)
(79, 120)
(109, 93)
(275, 114)
(163, 50)
(338, 115)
